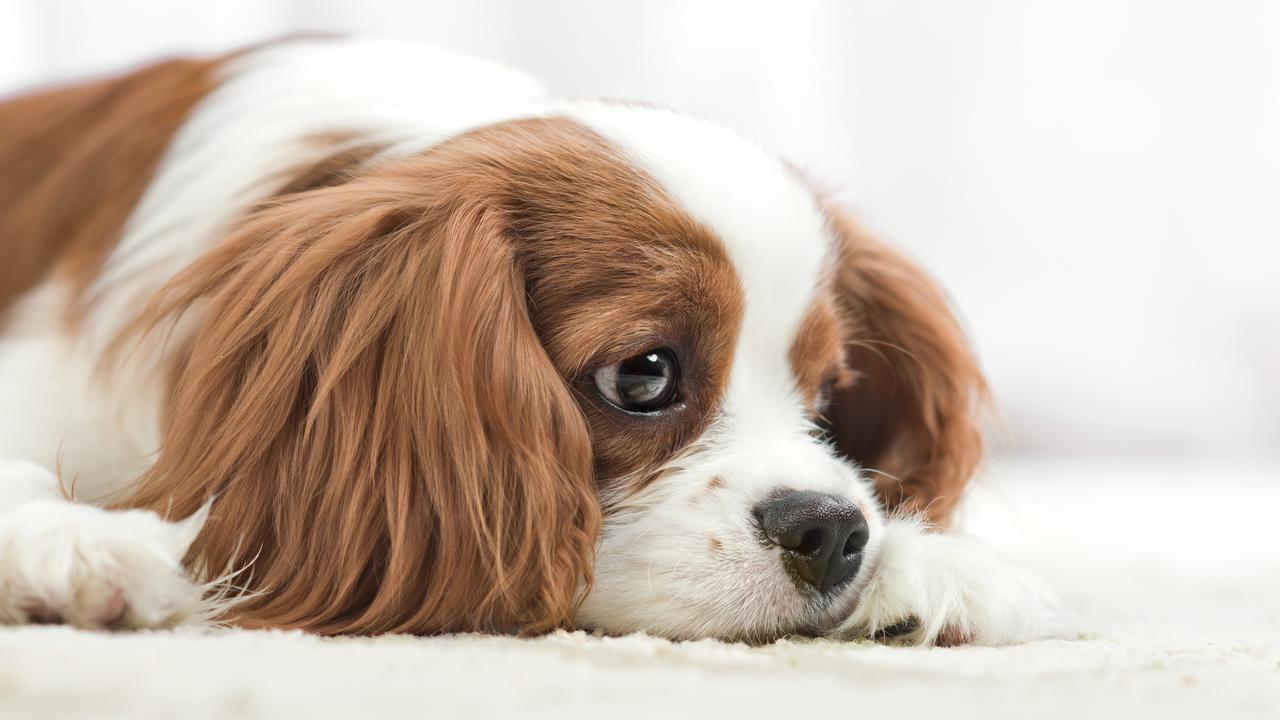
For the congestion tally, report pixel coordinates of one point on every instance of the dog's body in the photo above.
(438, 353)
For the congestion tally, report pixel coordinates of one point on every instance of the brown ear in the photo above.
(386, 442)
(911, 412)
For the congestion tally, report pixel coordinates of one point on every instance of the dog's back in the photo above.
(76, 160)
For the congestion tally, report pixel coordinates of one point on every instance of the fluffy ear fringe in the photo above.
(387, 446)
(912, 414)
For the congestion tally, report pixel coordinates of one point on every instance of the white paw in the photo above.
(92, 568)
(932, 589)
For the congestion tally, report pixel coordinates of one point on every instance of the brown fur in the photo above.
(74, 162)
(384, 386)
(912, 412)
(816, 355)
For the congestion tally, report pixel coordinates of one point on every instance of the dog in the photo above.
(363, 337)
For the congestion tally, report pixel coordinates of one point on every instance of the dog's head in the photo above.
(610, 366)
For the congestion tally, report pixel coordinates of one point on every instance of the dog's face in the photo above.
(703, 340)
(613, 366)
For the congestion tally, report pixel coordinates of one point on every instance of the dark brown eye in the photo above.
(642, 384)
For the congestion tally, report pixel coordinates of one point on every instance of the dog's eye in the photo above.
(642, 384)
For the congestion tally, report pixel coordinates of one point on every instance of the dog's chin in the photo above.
(777, 613)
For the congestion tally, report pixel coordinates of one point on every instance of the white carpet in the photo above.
(1173, 574)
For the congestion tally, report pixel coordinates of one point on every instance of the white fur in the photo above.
(23, 482)
(56, 413)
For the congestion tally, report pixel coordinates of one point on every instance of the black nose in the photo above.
(821, 536)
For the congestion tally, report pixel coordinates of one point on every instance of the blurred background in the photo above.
(1097, 182)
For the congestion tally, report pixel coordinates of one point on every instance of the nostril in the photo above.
(856, 541)
(810, 543)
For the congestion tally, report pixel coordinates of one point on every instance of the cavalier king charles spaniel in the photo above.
(360, 337)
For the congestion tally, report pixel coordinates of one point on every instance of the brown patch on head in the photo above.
(716, 545)
(74, 161)
(716, 483)
(387, 389)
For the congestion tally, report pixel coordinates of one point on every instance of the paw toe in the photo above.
(100, 605)
(951, 636)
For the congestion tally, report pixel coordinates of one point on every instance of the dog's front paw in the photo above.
(61, 562)
(932, 589)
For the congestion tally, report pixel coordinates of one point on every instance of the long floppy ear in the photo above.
(388, 447)
(911, 412)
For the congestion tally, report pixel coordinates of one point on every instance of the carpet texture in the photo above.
(1172, 574)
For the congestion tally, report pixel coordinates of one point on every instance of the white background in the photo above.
(1096, 181)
